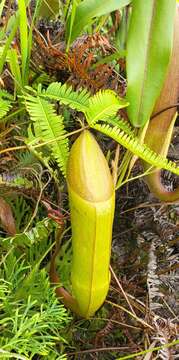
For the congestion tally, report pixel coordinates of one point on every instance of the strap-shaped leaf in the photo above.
(132, 143)
(149, 47)
(1, 6)
(49, 127)
(104, 105)
(89, 9)
(160, 128)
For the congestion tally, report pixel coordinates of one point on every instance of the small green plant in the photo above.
(35, 322)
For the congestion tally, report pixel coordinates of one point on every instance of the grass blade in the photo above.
(23, 39)
(1, 7)
(8, 43)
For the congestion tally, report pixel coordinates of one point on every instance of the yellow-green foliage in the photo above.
(92, 198)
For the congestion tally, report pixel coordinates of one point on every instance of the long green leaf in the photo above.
(1, 7)
(8, 42)
(15, 68)
(149, 47)
(30, 36)
(23, 38)
(89, 9)
(70, 24)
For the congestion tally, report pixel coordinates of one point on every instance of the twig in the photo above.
(122, 290)
(144, 323)
(115, 165)
(117, 348)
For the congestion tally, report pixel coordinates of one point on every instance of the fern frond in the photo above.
(5, 106)
(104, 105)
(40, 155)
(120, 123)
(132, 143)
(4, 94)
(25, 159)
(48, 127)
(65, 95)
(5, 102)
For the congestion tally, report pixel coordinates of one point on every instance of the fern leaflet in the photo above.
(5, 94)
(5, 104)
(65, 95)
(4, 107)
(103, 105)
(132, 143)
(120, 123)
(48, 127)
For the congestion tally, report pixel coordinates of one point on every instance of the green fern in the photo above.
(4, 94)
(78, 100)
(40, 155)
(120, 123)
(25, 159)
(5, 106)
(48, 127)
(5, 103)
(131, 142)
(103, 106)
